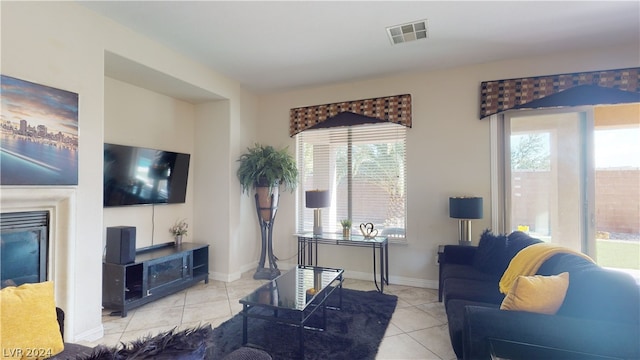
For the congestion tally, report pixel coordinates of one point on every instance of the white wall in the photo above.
(140, 117)
(40, 48)
(245, 232)
(62, 44)
(448, 151)
(225, 215)
(211, 215)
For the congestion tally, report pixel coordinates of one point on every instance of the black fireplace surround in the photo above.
(24, 247)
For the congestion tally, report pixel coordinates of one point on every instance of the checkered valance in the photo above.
(501, 95)
(395, 109)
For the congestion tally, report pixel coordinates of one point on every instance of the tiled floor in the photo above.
(418, 328)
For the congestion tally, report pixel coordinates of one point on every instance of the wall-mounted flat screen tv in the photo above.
(137, 176)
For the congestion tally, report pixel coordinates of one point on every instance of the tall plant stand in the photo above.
(266, 229)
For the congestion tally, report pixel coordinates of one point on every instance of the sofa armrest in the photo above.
(458, 254)
(505, 349)
(544, 333)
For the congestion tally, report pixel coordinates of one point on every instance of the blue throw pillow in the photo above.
(490, 255)
(517, 241)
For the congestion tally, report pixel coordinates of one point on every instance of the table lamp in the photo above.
(465, 209)
(317, 199)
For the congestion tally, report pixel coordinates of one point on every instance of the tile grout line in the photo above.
(407, 295)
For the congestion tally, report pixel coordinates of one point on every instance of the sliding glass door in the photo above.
(548, 188)
(617, 186)
(573, 178)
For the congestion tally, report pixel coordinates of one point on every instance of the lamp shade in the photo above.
(316, 199)
(465, 207)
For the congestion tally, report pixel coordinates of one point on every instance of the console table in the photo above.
(308, 245)
(157, 271)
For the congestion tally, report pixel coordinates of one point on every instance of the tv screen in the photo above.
(137, 176)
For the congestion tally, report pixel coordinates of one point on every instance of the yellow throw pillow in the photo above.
(539, 294)
(28, 323)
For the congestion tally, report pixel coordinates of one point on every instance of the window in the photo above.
(364, 169)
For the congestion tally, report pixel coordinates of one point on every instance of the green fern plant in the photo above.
(267, 166)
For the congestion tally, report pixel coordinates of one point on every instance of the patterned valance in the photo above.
(395, 109)
(501, 95)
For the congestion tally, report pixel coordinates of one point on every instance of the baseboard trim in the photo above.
(394, 280)
(229, 277)
(91, 335)
(357, 275)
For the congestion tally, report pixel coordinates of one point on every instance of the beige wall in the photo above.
(245, 232)
(139, 117)
(448, 151)
(63, 45)
(40, 47)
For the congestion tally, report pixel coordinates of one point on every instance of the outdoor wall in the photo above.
(448, 151)
(617, 201)
(617, 187)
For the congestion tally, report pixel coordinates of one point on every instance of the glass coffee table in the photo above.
(300, 291)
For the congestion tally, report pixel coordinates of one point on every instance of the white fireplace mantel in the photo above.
(61, 203)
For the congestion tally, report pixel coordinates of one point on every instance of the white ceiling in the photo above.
(274, 46)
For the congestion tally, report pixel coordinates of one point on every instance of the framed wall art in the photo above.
(38, 134)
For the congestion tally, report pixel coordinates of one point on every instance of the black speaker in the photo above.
(121, 245)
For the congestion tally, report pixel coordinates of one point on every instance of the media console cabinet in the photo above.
(157, 271)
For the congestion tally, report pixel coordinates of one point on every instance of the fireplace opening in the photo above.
(24, 246)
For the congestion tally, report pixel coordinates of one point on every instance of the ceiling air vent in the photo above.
(408, 32)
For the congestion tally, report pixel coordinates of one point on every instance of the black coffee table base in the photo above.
(302, 316)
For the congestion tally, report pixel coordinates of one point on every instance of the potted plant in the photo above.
(346, 227)
(179, 229)
(266, 168)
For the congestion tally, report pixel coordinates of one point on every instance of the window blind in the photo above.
(364, 169)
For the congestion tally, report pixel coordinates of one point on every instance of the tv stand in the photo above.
(157, 271)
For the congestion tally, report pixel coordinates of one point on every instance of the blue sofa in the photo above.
(599, 318)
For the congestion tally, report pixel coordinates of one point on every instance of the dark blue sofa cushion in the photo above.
(565, 262)
(602, 294)
(491, 250)
(594, 292)
(495, 252)
(457, 271)
(517, 241)
(476, 290)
